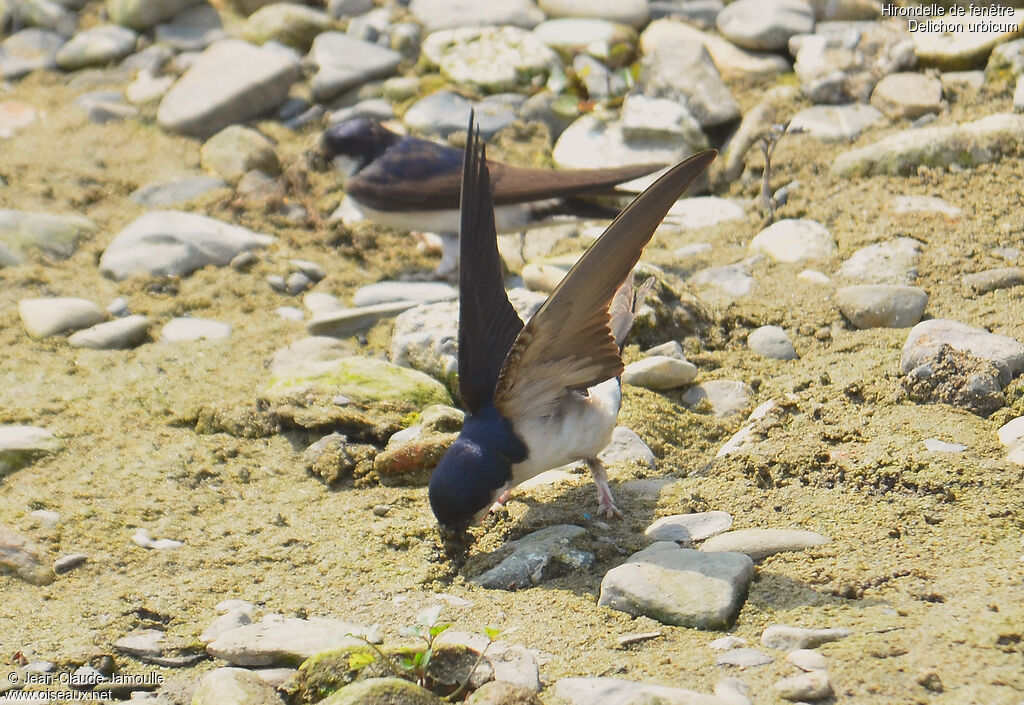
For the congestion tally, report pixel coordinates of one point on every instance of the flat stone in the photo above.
(659, 372)
(726, 397)
(187, 328)
(537, 557)
(604, 691)
(794, 241)
(807, 660)
(761, 543)
(644, 117)
(45, 14)
(631, 12)
(225, 622)
(175, 243)
(730, 60)
(231, 81)
(902, 205)
(147, 88)
(889, 262)
(290, 24)
(626, 446)
(20, 556)
(284, 641)
(994, 279)
(96, 47)
(193, 29)
(926, 337)
(803, 687)
(66, 564)
(704, 211)
(492, 59)
(907, 95)
(743, 658)
(684, 72)
(29, 50)
(121, 333)
(731, 280)
(687, 528)
(52, 315)
(965, 145)
(787, 638)
(511, 663)
(1012, 432)
(882, 305)
(595, 141)
(764, 25)
(835, 123)
(679, 586)
(24, 233)
(450, 14)
(343, 62)
(364, 379)
(141, 15)
(956, 84)
(571, 36)
(938, 446)
(439, 113)
(390, 291)
(350, 321)
(773, 342)
(166, 193)
(962, 50)
(20, 445)
(382, 690)
(748, 435)
(234, 686)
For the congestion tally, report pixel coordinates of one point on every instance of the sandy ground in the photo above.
(925, 563)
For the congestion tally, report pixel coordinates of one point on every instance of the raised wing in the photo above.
(487, 322)
(568, 344)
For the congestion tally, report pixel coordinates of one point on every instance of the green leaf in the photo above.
(407, 663)
(359, 660)
(438, 629)
(492, 633)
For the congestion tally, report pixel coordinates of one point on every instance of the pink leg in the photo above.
(605, 504)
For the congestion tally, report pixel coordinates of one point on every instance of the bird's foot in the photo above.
(605, 504)
(607, 509)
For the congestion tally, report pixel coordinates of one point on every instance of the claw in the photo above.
(605, 504)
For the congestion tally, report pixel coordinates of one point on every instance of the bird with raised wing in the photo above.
(547, 393)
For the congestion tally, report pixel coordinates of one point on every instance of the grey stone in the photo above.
(687, 528)
(923, 204)
(20, 556)
(572, 36)
(511, 663)
(230, 82)
(679, 586)
(595, 141)
(684, 72)
(1011, 433)
(659, 373)
(186, 328)
(439, 113)
(363, 379)
(234, 686)
(348, 8)
(537, 557)
(805, 687)
(730, 60)
(449, 14)
(236, 150)
(105, 106)
(147, 88)
(731, 280)
(937, 446)
(882, 305)
(604, 691)
(626, 446)
(794, 241)
(889, 262)
(907, 95)
(174, 243)
(59, 314)
(20, 445)
(96, 47)
(492, 59)
(956, 84)
(225, 622)
(289, 23)
(166, 193)
(599, 81)
(743, 658)
(343, 62)
(965, 145)
(127, 332)
(389, 291)
(277, 640)
(14, 117)
(630, 12)
(26, 232)
(644, 117)
(962, 50)
(141, 15)
(994, 279)
(67, 563)
(761, 543)
(29, 50)
(732, 691)
(807, 660)
(193, 29)
(771, 341)
(835, 123)
(726, 397)
(764, 25)
(704, 211)
(787, 638)
(47, 14)
(349, 321)
(927, 337)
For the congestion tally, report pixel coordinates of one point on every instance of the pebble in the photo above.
(319, 302)
(902, 205)
(69, 562)
(728, 58)
(236, 150)
(725, 643)
(166, 193)
(225, 622)
(810, 686)
(964, 145)
(19, 555)
(907, 95)
(492, 59)
(571, 36)
(626, 640)
(835, 123)
(19, 445)
(297, 282)
(187, 328)
(956, 84)
(175, 243)
(595, 141)
(994, 279)
(192, 30)
(890, 262)
(391, 291)
(659, 372)
(630, 12)
(807, 660)
(290, 24)
(144, 14)
(684, 72)
(731, 280)
(626, 446)
(147, 88)
(277, 640)
(773, 342)
(344, 322)
(602, 691)
(511, 663)
(882, 305)
(704, 211)
(794, 241)
(29, 50)
(761, 543)
(926, 337)
(96, 47)
(1006, 62)
(743, 658)
(439, 113)
(732, 691)
(687, 528)
(537, 557)
(343, 62)
(764, 25)
(142, 539)
(121, 333)
(679, 586)
(47, 518)
(813, 276)
(726, 397)
(231, 81)
(960, 51)
(48, 316)
(543, 277)
(938, 446)
(1010, 434)
(787, 638)
(47, 14)
(26, 232)
(449, 14)
(234, 686)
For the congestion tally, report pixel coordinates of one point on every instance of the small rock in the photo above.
(141, 15)
(1011, 432)
(704, 211)
(765, 25)
(69, 562)
(390, 291)
(727, 642)
(277, 640)
(631, 12)
(629, 639)
(96, 47)
(771, 341)
(937, 446)
(907, 95)
(728, 58)
(925, 339)
(142, 539)
(234, 686)
(882, 305)
(29, 50)
(810, 686)
(44, 317)
(902, 205)
(360, 378)
(761, 543)
(993, 279)
(794, 241)
(659, 372)
(290, 24)
(786, 638)
(807, 660)
(683, 71)
(166, 193)
(492, 59)
(731, 280)
(22, 557)
(449, 14)
(890, 262)
(178, 329)
(537, 557)
(26, 232)
(236, 150)
(192, 30)
(20, 445)
(341, 323)
(626, 446)
(127, 332)
(726, 397)
(732, 691)
(961, 50)
(343, 62)
(409, 459)
(687, 528)
(743, 658)
(835, 123)
(599, 691)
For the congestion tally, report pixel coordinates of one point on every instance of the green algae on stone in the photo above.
(383, 691)
(234, 686)
(364, 379)
(24, 232)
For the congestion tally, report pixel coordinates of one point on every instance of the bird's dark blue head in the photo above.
(360, 139)
(474, 471)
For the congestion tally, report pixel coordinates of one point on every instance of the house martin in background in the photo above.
(412, 184)
(547, 393)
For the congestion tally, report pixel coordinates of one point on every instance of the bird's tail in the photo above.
(624, 305)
